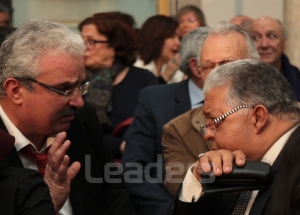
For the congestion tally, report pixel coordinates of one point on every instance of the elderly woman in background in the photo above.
(158, 45)
(189, 18)
(115, 82)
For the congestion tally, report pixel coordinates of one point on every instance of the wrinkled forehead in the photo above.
(218, 47)
(215, 97)
(266, 24)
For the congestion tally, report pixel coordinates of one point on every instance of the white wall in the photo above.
(71, 12)
(218, 10)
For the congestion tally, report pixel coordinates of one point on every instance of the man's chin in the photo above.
(64, 123)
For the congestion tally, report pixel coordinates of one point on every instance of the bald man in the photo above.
(242, 20)
(270, 40)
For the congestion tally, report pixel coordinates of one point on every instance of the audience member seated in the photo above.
(189, 17)
(42, 80)
(182, 141)
(158, 45)
(157, 106)
(270, 39)
(115, 82)
(4, 17)
(253, 113)
(242, 20)
(123, 17)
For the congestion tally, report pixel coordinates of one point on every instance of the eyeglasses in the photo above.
(204, 128)
(190, 19)
(83, 89)
(91, 44)
(206, 68)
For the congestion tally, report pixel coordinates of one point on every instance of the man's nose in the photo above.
(263, 42)
(77, 101)
(209, 134)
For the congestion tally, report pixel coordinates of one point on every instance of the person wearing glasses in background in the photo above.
(189, 17)
(181, 139)
(115, 82)
(42, 83)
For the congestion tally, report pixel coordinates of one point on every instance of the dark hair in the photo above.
(121, 36)
(123, 17)
(152, 35)
(191, 8)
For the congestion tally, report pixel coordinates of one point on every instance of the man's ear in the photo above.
(284, 43)
(193, 67)
(13, 90)
(260, 118)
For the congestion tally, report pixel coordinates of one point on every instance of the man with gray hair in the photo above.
(225, 42)
(270, 39)
(157, 106)
(253, 113)
(42, 81)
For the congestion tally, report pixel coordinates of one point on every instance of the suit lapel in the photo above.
(182, 98)
(198, 120)
(12, 158)
(264, 195)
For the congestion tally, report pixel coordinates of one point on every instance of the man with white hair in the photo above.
(182, 142)
(270, 39)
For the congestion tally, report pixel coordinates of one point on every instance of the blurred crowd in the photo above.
(142, 100)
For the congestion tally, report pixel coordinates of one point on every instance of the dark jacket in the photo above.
(157, 106)
(280, 198)
(89, 194)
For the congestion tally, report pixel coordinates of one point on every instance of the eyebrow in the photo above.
(68, 84)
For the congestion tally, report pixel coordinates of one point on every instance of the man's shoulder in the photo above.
(183, 122)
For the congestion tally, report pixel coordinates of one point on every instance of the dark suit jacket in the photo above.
(23, 191)
(89, 196)
(157, 106)
(280, 198)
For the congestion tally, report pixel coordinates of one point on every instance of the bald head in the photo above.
(242, 20)
(268, 34)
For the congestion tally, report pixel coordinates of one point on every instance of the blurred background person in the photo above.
(243, 21)
(189, 17)
(115, 82)
(158, 45)
(157, 106)
(270, 39)
(4, 17)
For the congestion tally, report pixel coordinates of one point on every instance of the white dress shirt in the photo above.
(192, 189)
(196, 94)
(20, 142)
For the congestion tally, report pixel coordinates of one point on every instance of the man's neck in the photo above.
(198, 82)
(278, 64)
(37, 140)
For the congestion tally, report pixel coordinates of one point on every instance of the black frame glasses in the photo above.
(90, 44)
(204, 127)
(83, 89)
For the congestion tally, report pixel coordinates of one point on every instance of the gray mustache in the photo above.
(67, 112)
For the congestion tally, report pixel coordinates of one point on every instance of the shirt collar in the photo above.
(195, 93)
(20, 140)
(276, 148)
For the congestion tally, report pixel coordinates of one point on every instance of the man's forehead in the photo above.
(215, 97)
(266, 24)
(218, 47)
